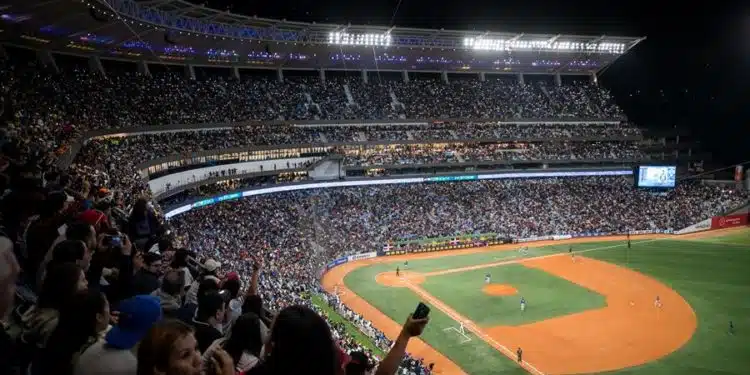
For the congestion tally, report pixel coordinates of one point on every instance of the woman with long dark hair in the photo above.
(82, 321)
(244, 343)
(300, 343)
(60, 284)
(142, 223)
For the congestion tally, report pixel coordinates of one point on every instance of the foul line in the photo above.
(472, 327)
(523, 260)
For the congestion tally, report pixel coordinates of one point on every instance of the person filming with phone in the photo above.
(413, 327)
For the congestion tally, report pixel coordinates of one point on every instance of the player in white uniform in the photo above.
(524, 250)
(657, 302)
(487, 278)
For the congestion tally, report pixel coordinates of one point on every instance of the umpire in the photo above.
(519, 355)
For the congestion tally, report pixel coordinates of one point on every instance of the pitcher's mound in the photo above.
(390, 278)
(499, 290)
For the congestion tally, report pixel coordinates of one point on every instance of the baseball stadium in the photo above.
(192, 189)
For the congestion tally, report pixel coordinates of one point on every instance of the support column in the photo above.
(594, 79)
(236, 73)
(405, 75)
(143, 68)
(444, 76)
(558, 80)
(322, 76)
(280, 75)
(365, 78)
(95, 64)
(46, 58)
(482, 78)
(520, 79)
(190, 71)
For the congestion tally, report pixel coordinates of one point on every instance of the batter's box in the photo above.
(461, 332)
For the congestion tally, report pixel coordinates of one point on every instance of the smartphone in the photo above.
(421, 312)
(115, 241)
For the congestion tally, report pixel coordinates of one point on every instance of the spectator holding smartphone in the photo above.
(412, 328)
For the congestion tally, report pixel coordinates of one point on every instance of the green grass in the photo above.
(351, 329)
(547, 296)
(713, 276)
(715, 280)
(475, 357)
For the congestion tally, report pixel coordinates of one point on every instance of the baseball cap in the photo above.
(232, 276)
(211, 265)
(137, 315)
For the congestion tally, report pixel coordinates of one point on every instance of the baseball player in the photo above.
(523, 250)
(731, 328)
(628, 243)
(487, 278)
(406, 264)
(519, 355)
(398, 271)
(523, 304)
(572, 255)
(657, 302)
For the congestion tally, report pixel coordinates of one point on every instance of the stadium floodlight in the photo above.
(485, 44)
(347, 39)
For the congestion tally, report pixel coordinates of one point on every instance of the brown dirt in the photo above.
(401, 281)
(630, 331)
(499, 290)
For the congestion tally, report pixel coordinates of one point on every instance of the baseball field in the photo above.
(594, 311)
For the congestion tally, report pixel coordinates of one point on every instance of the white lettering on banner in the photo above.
(697, 227)
(535, 238)
(352, 258)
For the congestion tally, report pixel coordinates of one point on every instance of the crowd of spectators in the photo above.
(107, 287)
(363, 219)
(55, 108)
(396, 154)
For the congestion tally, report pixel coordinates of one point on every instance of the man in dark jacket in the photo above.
(209, 319)
(146, 279)
(170, 294)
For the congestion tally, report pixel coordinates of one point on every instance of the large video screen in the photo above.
(656, 176)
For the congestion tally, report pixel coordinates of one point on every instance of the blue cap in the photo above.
(137, 315)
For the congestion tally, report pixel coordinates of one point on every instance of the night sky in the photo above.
(692, 71)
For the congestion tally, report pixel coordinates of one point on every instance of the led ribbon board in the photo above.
(413, 180)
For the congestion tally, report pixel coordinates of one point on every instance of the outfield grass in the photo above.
(715, 280)
(547, 296)
(713, 276)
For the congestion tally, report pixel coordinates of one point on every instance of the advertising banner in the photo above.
(371, 255)
(337, 262)
(729, 221)
(563, 237)
(697, 227)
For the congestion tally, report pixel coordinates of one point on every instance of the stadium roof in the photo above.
(178, 31)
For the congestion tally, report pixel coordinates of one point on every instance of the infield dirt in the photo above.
(629, 331)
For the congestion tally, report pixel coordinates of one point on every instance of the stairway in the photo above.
(349, 97)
